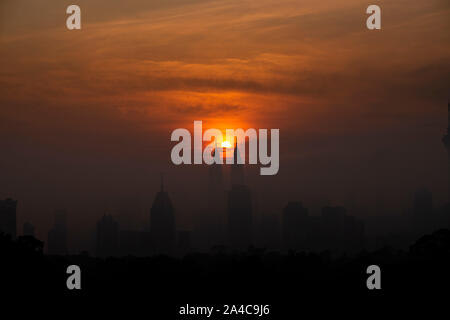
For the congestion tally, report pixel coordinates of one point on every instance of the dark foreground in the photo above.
(289, 284)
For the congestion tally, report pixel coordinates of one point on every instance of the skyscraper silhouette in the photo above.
(214, 219)
(237, 169)
(8, 217)
(239, 207)
(215, 186)
(57, 236)
(162, 223)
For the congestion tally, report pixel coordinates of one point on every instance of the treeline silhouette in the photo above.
(220, 275)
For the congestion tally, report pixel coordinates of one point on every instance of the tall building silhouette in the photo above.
(216, 191)
(162, 223)
(446, 141)
(237, 169)
(107, 236)
(8, 217)
(57, 236)
(239, 207)
(214, 219)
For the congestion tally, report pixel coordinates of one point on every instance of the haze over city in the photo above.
(86, 117)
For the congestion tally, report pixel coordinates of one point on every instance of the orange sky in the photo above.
(253, 63)
(139, 69)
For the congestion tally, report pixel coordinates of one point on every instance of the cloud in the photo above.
(169, 59)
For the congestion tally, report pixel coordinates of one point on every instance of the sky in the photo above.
(86, 115)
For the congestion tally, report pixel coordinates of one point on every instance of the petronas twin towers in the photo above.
(232, 208)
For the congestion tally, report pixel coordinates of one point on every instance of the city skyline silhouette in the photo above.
(100, 203)
(229, 221)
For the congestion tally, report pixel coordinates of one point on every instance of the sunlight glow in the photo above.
(226, 144)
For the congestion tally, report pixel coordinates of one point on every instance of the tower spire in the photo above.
(215, 149)
(236, 155)
(237, 169)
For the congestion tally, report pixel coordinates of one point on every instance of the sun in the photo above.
(226, 144)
